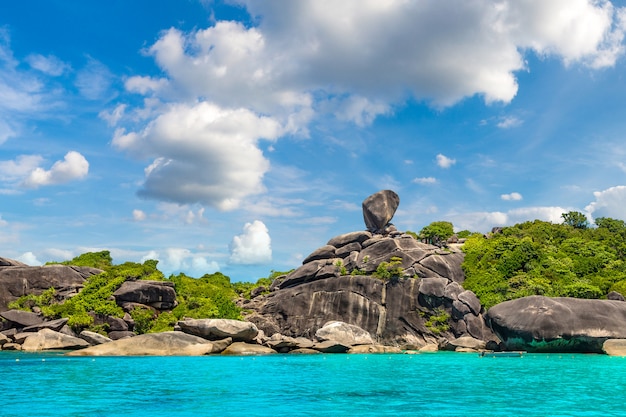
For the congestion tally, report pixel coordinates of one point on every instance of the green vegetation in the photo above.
(101, 260)
(437, 232)
(437, 320)
(541, 258)
(389, 270)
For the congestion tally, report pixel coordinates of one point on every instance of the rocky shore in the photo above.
(372, 291)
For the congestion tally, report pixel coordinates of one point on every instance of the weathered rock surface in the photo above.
(94, 338)
(374, 349)
(214, 329)
(55, 325)
(242, 348)
(159, 294)
(156, 344)
(18, 279)
(47, 339)
(21, 318)
(542, 324)
(392, 312)
(378, 210)
(347, 334)
(331, 346)
(614, 347)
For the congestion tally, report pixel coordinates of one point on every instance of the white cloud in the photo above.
(509, 122)
(203, 154)
(609, 203)
(485, 221)
(114, 116)
(94, 80)
(445, 162)
(19, 168)
(353, 59)
(175, 260)
(511, 197)
(73, 167)
(139, 215)
(50, 65)
(6, 131)
(253, 246)
(29, 258)
(425, 180)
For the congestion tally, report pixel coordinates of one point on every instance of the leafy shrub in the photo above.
(389, 270)
(437, 320)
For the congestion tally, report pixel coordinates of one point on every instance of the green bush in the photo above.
(541, 258)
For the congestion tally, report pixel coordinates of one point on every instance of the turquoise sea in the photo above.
(434, 384)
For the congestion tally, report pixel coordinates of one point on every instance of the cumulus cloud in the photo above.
(139, 215)
(445, 162)
(354, 60)
(19, 168)
(175, 260)
(609, 203)
(484, 221)
(425, 180)
(202, 154)
(511, 197)
(74, 166)
(29, 258)
(253, 246)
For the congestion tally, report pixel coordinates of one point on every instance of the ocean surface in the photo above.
(429, 384)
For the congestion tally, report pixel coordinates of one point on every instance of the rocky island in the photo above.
(373, 290)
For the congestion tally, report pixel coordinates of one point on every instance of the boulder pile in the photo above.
(401, 291)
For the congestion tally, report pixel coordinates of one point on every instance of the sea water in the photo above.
(429, 384)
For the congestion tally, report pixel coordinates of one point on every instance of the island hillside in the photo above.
(535, 286)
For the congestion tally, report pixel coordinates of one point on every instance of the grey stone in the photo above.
(614, 295)
(156, 344)
(55, 325)
(94, 338)
(214, 329)
(242, 348)
(378, 210)
(543, 324)
(331, 346)
(22, 318)
(470, 299)
(145, 292)
(16, 281)
(47, 339)
(347, 238)
(324, 252)
(344, 333)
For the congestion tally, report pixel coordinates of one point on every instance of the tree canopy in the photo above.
(541, 258)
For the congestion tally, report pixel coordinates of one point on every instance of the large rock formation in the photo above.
(542, 324)
(378, 210)
(18, 279)
(398, 289)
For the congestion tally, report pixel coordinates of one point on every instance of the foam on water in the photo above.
(441, 384)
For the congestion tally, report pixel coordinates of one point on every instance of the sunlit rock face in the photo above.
(543, 324)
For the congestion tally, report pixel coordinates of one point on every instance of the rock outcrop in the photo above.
(542, 324)
(156, 344)
(398, 290)
(47, 339)
(378, 210)
(17, 279)
(214, 329)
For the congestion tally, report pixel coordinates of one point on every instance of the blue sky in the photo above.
(240, 136)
